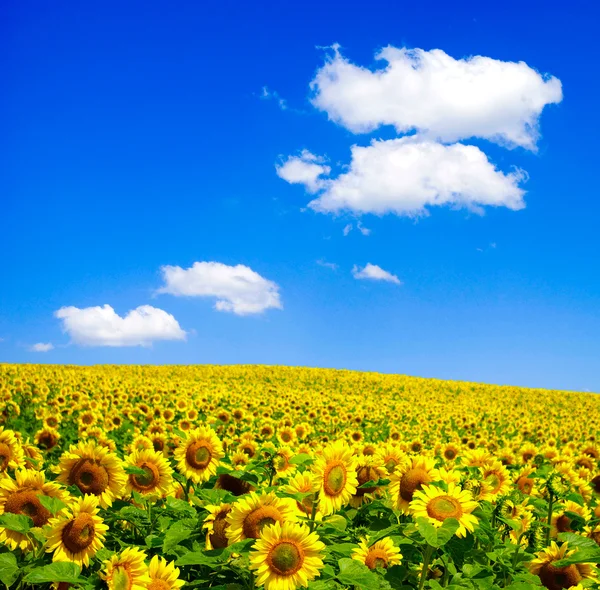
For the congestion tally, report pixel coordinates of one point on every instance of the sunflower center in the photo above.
(365, 474)
(281, 462)
(525, 484)
(79, 533)
(218, 538)
(596, 484)
(149, 480)
(412, 481)
(235, 485)
(444, 507)
(89, 477)
(47, 440)
(390, 464)
(334, 479)
(450, 454)
(286, 558)
(27, 503)
(258, 519)
(198, 455)
(5, 456)
(557, 578)
(563, 524)
(376, 558)
(159, 585)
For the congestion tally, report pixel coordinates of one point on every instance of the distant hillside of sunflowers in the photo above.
(242, 477)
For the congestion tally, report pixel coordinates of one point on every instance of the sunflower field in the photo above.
(243, 477)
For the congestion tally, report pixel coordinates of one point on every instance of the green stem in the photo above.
(426, 559)
(313, 514)
(549, 522)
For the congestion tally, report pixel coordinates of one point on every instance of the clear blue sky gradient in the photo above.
(134, 136)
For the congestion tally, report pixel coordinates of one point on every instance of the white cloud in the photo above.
(267, 94)
(102, 326)
(347, 229)
(329, 265)
(41, 347)
(365, 231)
(434, 94)
(374, 273)
(238, 289)
(405, 176)
(304, 169)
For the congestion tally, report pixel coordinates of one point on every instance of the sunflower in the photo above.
(33, 457)
(163, 575)
(286, 556)
(561, 522)
(126, 570)
(251, 514)
(286, 435)
(11, 452)
(22, 496)
(304, 483)
(216, 526)
(199, 454)
(140, 442)
(94, 470)
(158, 478)
(281, 462)
(77, 533)
(436, 505)
(46, 438)
(391, 456)
(368, 468)
(382, 554)
(557, 578)
(496, 478)
(408, 478)
(450, 452)
(335, 477)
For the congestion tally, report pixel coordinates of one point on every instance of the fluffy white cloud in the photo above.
(407, 175)
(304, 169)
(238, 289)
(374, 273)
(433, 93)
(102, 326)
(41, 347)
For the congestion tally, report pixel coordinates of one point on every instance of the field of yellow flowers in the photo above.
(242, 477)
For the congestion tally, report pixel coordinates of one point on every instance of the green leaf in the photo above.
(133, 470)
(355, 573)
(197, 558)
(374, 484)
(437, 537)
(180, 506)
(301, 459)
(344, 549)
(177, 532)
(8, 569)
(16, 522)
(53, 505)
(60, 571)
(337, 521)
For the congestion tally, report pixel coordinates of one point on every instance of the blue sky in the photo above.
(138, 136)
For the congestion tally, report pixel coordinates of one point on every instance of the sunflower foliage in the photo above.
(235, 478)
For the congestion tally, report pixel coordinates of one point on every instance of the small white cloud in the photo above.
(102, 326)
(436, 95)
(347, 229)
(41, 347)
(304, 169)
(238, 289)
(365, 231)
(329, 265)
(406, 176)
(374, 273)
(267, 94)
